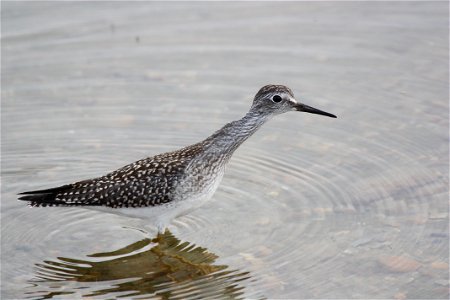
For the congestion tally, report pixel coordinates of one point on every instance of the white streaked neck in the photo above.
(227, 139)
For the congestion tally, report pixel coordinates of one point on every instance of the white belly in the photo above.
(161, 215)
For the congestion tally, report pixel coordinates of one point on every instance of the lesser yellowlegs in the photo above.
(171, 184)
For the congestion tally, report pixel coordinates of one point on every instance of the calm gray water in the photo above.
(310, 207)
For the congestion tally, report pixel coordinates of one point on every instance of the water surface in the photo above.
(310, 207)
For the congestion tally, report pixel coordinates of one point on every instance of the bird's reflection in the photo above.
(162, 267)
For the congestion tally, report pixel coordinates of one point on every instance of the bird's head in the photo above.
(277, 99)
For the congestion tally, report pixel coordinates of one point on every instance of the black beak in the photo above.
(312, 110)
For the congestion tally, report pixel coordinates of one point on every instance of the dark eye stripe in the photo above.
(276, 98)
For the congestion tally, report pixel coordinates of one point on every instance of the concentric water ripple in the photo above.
(310, 207)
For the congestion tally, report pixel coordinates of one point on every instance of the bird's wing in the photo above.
(147, 182)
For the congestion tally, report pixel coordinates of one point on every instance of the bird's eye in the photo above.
(276, 98)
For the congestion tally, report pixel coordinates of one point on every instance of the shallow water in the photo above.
(310, 207)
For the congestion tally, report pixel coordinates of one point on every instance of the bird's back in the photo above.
(147, 182)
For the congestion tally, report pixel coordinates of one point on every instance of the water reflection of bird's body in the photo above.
(171, 184)
(162, 267)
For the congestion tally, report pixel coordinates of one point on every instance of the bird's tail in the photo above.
(46, 197)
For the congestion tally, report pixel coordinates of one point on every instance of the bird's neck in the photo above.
(227, 139)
